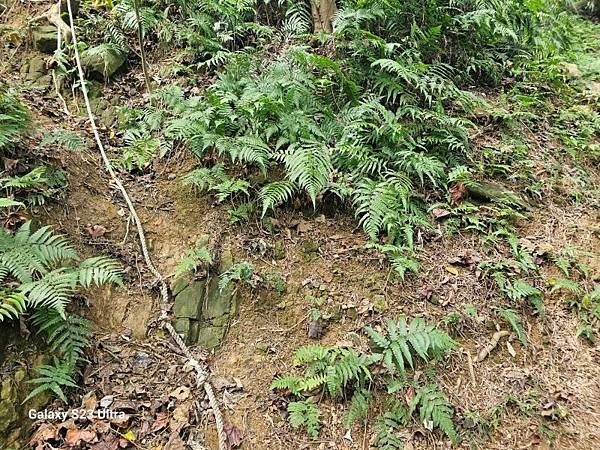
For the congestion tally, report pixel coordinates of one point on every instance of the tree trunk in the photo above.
(322, 13)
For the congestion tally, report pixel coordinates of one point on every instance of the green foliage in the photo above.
(358, 409)
(52, 378)
(13, 118)
(304, 414)
(238, 272)
(434, 410)
(388, 425)
(47, 269)
(215, 180)
(339, 372)
(329, 368)
(193, 259)
(66, 337)
(512, 318)
(12, 304)
(66, 139)
(404, 340)
(36, 186)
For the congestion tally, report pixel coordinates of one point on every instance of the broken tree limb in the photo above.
(485, 351)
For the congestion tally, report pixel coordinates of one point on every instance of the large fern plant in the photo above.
(40, 273)
(47, 270)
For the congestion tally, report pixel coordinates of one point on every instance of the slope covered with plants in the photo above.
(397, 199)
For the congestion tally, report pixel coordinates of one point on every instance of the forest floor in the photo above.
(527, 396)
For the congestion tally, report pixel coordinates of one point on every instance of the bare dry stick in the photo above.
(492, 345)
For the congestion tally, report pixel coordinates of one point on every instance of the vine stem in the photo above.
(201, 372)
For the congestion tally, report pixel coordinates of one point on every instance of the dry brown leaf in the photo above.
(44, 433)
(511, 349)
(409, 394)
(75, 437)
(234, 436)
(440, 213)
(451, 269)
(175, 442)
(95, 231)
(458, 191)
(162, 420)
(181, 393)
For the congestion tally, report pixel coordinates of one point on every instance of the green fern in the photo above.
(216, 180)
(12, 304)
(48, 268)
(52, 378)
(66, 336)
(434, 409)
(308, 164)
(388, 426)
(358, 409)
(238, 272)
(13, 118)
(99, 270)
(330, 368)
(275, 193)
(567, 285)
(193, 259)
(403, 340)
(305, 415)
(512, 318)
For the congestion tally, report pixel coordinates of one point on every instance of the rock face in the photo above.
(45, 38)
(201, 309)
(14, 422)
(101, 64)
(36, 73)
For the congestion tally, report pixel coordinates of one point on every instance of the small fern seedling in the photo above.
(305, 414)
(52, 378)
(434, 410)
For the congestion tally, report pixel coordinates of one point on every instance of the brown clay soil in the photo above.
(556, 373)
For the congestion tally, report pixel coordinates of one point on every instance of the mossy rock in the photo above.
(103, 64)
(203, 312)
(45, 38)
(188, 302)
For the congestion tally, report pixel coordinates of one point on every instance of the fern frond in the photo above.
(309, 165)
(12, 304)
(305, 415)
(52, 378)
(99, 270)
(275, 193)
(358, 409)
(288, 382)
(512, 318)
(434, 407)
(68, 336)
(403, 339)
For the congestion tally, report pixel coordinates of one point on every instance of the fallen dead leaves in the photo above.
(141, 396)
